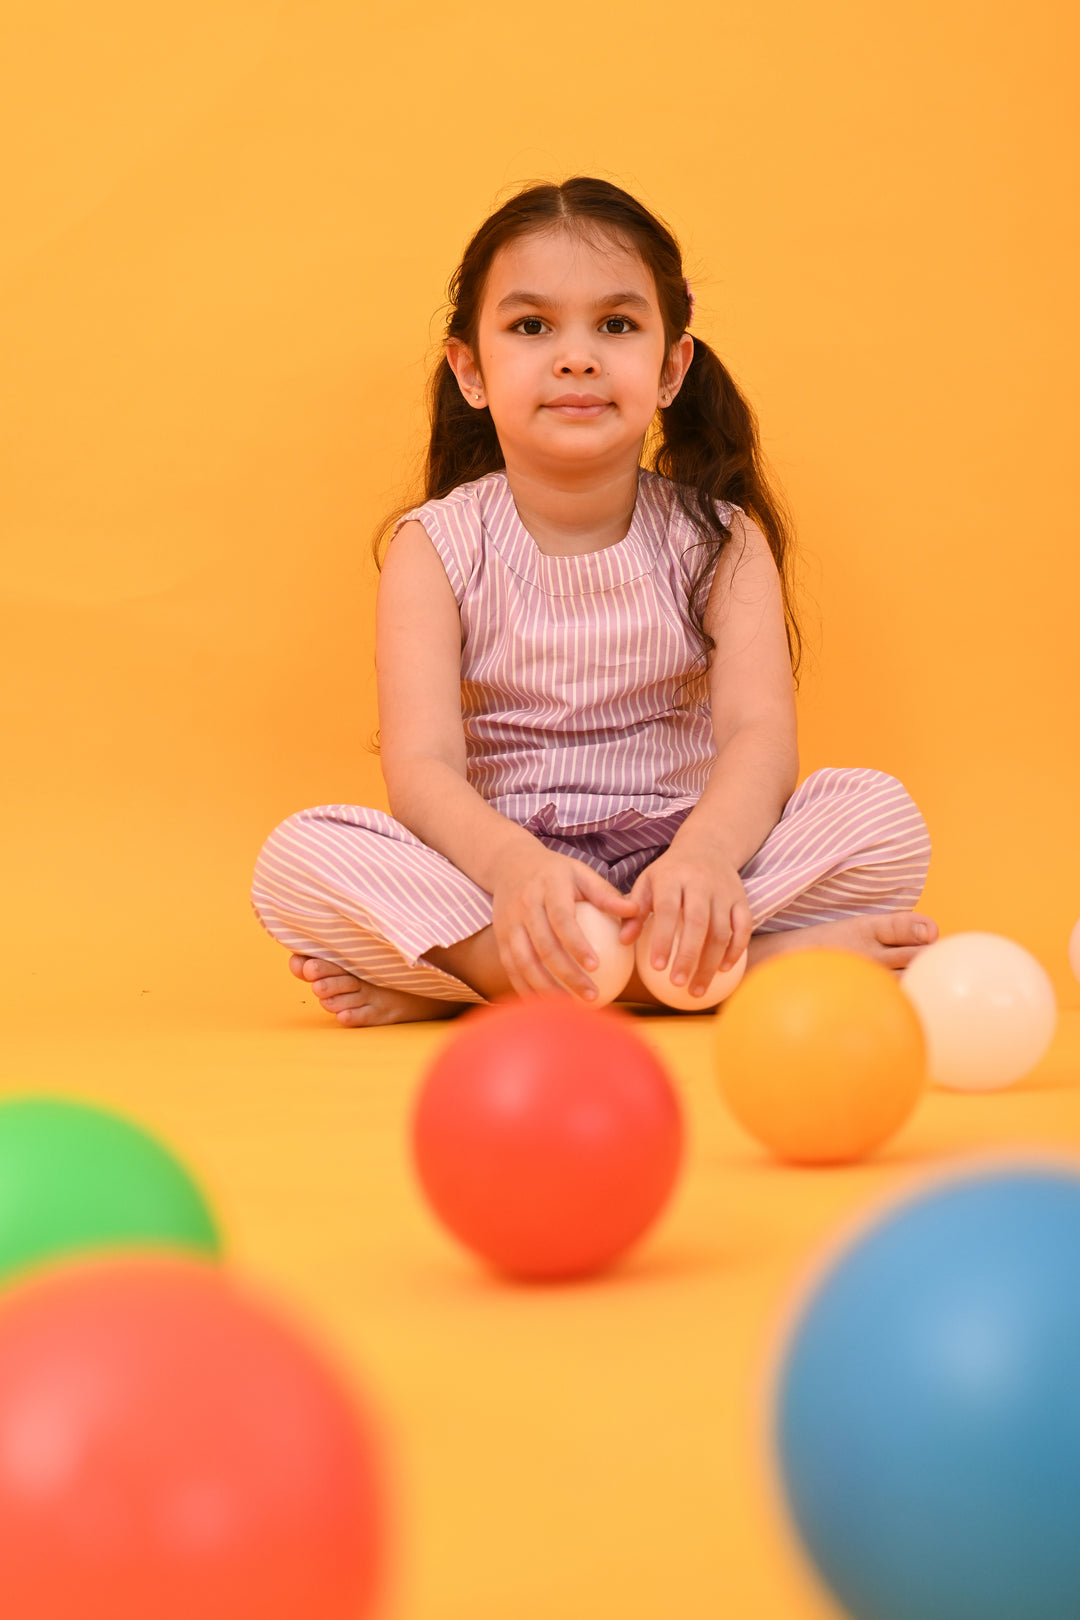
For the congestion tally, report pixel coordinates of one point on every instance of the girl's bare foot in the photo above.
(355, 1002)
(887, 937)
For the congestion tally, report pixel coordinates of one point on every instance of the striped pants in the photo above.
(354, 886)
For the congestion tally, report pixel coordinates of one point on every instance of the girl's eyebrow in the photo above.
(540, 302)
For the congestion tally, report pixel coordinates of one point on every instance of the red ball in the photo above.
(547, 1136)
(170, 1449)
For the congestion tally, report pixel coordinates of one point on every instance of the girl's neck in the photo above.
(570, 519)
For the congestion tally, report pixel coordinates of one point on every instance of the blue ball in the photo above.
(928, 1407)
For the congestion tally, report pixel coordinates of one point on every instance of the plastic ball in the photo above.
(658, 980)
(820, 1056)
(547, 1137)
(987, 1007)
(1074, 949)
(170, 1448)
(75, 1178)
(615, 960)
(927, 1420)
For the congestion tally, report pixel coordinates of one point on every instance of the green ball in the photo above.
(76, 1178)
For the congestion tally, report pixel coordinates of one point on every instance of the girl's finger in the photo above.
(713, 952)
(564, 972)
(558, 951)
(569, 932)
(695, 932)
(528, 964)
(742, 928)
(666, 911)
(605, 897)
(632, 925)
(517, 983)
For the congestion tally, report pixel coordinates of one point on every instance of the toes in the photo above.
(336, 985)
(344, 1000)
(353, 1016)
(317, 967)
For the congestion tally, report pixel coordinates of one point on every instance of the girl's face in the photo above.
(563, 317)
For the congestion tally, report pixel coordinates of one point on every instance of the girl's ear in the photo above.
(678, 363)
(463, 366)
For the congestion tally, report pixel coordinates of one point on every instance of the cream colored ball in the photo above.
(987, 1008)
(616, 960)
(678, 995)
(1074, 950)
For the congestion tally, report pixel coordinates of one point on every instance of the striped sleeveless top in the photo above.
(570, 666)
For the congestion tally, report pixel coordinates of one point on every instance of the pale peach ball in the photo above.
(616, 960)
(678, 995)
(987, 1008)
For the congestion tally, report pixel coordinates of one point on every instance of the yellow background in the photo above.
(226, 237)
(226, 233)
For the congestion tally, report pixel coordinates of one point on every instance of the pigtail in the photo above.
(710, 450)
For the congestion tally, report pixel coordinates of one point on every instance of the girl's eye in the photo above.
(534, 321)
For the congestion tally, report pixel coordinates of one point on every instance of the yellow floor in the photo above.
(593, 1452)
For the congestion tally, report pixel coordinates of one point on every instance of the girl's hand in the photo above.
(540, 944)
(704, 892)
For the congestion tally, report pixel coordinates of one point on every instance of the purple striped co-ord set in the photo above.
(570, 670)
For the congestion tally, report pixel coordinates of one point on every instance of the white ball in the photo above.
(987, 1008)
(1074, 950)
(678, 995)
(616, 960)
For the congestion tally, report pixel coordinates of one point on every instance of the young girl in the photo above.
(585, 672)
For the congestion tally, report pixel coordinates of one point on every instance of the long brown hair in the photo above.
(707, 443)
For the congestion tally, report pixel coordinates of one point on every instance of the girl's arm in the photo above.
(418, 669)
(752, 700)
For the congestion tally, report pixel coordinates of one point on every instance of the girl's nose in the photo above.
(578, 356)
(572, 361)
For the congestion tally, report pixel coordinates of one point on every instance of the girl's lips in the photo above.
(579, 410)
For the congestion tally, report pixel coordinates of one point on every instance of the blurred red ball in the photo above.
(169, 1449)
(547, 1136)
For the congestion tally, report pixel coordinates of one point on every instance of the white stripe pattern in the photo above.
(571, 665)
(353, 885)
(570, 669)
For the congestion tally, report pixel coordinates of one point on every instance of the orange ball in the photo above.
(820, 1055)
